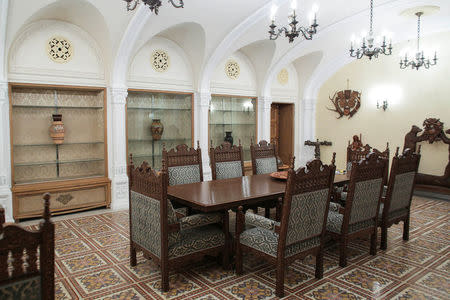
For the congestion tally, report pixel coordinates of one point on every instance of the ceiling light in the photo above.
(152, 4)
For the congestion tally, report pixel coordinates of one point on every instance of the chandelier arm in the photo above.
(181, 5)
(305, 32)
(129, 8)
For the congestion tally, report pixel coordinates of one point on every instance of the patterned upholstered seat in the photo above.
(302, 227)
(227, 161)
(359, 217)
(266, 165)
(169, 240)
(22, 278)
(397, 202)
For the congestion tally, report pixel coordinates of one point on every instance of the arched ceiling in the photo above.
(208, 31)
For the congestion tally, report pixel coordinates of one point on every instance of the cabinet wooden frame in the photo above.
(63, 185)
(164, 92)
(256, 119)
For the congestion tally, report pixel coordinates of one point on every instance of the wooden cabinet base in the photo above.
(67, 196)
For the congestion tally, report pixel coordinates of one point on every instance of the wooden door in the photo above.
(286, 132)
(274, 124)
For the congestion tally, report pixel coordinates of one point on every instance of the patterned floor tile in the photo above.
(213, 274)
(208, 295)
(310, 263)
(90, 220)
(293, 278)
(435, 246)
(65, 235)
(181, 287)
(369, 282)
(437, 235)
(83, 263)
(119, 254)
(110, 239)
(250, 289)
(144, 269)
(96, 229)
(252, 262)
(63, 291)
(99, 281)
(389, 266)
(128, 293)
(409, 293)
(409, 254)
(330, 290)
(435, 282)
(444, 267)
(352, 252)
(69, 248)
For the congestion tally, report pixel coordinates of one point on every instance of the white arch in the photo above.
(221, 50)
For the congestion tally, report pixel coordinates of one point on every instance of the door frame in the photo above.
(292, 105)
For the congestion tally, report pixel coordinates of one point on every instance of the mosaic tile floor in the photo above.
(92, 263)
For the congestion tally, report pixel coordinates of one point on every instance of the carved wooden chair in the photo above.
(183, 165)
(360, 214)
(160, 235)
(397, 203)
(227, 161)
(302, 227)
(22, 277)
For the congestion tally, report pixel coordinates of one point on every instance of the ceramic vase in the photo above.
(57, 129)
(228, 138)
(157, 129)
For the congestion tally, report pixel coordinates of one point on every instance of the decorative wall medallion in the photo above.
(59, 49)
(64, 198)
(160, 60)
(283, 77)
(346, 103)
(232, 69)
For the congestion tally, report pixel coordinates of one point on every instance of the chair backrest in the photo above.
(183, 164)
(364, 191)
(20, 278)
(150, 211)
(306, 202)
(264, 158)
(227, 161)
(401, 181)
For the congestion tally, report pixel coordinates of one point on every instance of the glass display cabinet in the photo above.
(233, 118)
(156, 119)
(58, 139)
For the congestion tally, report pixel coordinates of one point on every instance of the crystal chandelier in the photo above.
(152, 4)
(420, 59)
(293, 30)
(369, 48)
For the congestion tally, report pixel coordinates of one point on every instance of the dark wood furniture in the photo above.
(181, 156)
(227, 159)
(360, 215)
(433, 132)
(162, 236)
(303, 223)
(397, 204)
(21, 278)
(219, 195)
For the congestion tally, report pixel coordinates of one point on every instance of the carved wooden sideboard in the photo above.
(433, 131)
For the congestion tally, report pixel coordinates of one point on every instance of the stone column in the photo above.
(5, 163)
(119, 160)
(264, 105)
(203, 102)
(308, 121)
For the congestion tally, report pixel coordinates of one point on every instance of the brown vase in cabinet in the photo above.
(57, 129)
(157, 129)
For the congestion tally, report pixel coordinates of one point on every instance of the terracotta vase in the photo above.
(157, 129)
(228, 138)
(57, 129)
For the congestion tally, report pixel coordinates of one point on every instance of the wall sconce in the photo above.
(383, 106)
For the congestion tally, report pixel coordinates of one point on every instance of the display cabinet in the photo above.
(233, 118)
(156, 119)
(58, 145)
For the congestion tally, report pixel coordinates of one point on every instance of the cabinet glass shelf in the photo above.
(61, 178)
(53, 144)
(236, 115)
(174, 112)
(41, 163)
(57, 107)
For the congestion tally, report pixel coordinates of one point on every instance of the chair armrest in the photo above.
(260, 221)
(199, 220)
(334, 206)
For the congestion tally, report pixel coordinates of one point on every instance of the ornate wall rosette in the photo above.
(160, 60)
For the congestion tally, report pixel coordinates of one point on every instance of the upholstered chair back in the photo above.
(183, 164)
(227, 161)
(365, 188)
(401, 181)
(264, 157)
(31, 275)
(150, 210)
(306, 202)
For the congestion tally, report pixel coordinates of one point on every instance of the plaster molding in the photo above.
(119, 96)
(3, 92)
(205, 99)
(40, 25)
(3, 30)
(227, 43)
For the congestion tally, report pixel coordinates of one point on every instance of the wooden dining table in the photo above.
(224, 194)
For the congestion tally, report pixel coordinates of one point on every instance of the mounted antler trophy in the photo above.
(346, 103)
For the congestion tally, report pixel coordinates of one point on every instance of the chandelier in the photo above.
(293, 30)
(152, 4)
(420, 59)
(369, 48)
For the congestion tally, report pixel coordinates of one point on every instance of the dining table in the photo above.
(224, 194)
